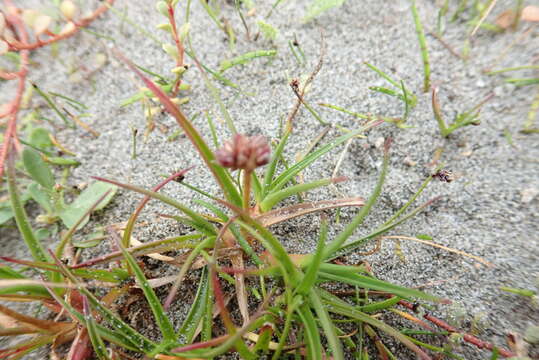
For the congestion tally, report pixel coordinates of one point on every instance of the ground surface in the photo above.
(482, 212)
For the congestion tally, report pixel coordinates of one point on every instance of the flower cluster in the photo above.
(244, 152)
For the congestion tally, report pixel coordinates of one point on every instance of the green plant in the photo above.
(230, 241)
(423, 47)
(20, 36)
(402, 93)
(48, 192)
(303, 306)
(470, 117)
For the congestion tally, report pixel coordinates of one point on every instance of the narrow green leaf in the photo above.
(275, 197)
(203, 223)
(53, 106)
(327, 324)
(523, 82)
(336, 244)
(312, 338)
(422, 45)
(287, 175)
(97, 343)
(270, 169)
(23, 224)
(115, 336)
(337, 306)
(245, 58)
(380, 305)
(166, 327)
(198, 309)
(138, 341)
(375, 284)
(312, 271)
(318, 7)
(382, 229)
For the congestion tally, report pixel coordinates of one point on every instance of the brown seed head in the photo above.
(244, 152)
(444, 176)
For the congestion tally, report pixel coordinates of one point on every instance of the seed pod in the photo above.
(68, 9)
(41, 24)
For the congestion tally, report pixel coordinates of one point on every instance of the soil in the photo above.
(489, 210)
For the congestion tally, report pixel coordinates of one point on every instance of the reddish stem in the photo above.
(179, 46)
(24, 45)
(467, 337)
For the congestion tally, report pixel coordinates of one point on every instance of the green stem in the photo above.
(423, 45)
(246, 189)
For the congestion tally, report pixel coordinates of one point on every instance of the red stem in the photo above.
(179, 46)
(24, 45)
(467, 337)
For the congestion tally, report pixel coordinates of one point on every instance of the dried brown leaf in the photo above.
(289, 212)
(505, 19)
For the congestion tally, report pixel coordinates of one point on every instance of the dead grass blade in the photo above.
(289, 212)
(430, 243)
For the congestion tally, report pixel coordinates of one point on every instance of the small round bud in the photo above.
(69, 27)
(41, 24)
(180, 101)
(162, 7)
(180, 69)
(68, 9)
(165, 26)
(171, 50)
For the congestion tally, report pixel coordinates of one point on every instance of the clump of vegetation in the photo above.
(466, 118)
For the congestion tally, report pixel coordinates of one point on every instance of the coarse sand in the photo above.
(489, 210)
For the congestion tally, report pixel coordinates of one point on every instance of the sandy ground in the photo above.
(482, 212)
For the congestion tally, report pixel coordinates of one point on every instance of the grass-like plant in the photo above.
(302, 307)
(466, 118)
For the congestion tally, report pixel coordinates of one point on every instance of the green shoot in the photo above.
(423, 46)
(245, 58)
(470, 117)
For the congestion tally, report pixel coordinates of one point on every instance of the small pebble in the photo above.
(527, 195)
